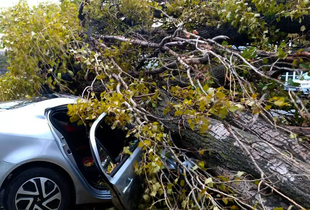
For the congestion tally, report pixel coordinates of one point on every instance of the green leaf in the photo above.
(178, 113)
(256, 182)
(280, 102)
(195, 167)
(249, 53)
(155, 188)
(201, 164)
(146, 197)
(204, 128)
(126, 150)
(71, 73)
(233, 108)
(292, 135)
(281, 53)
(205, 87)
(220, 95)
(224, 43)
(147, 142)
(225, 200)
(291, 82)
(302, 65)
(283, 44)
(191, 124)
(166, 110)
(267, 107)
(209, 182)
(240, 173)
(223, 112)
(302, 28)
(100, 77)
(222, 187)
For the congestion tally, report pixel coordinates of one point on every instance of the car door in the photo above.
(124, 184)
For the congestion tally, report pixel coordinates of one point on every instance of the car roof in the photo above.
(30, 119)
(49, 103)
(37, 105)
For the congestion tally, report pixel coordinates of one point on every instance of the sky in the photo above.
(9, 3)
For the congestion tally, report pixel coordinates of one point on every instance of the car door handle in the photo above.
(128, 184)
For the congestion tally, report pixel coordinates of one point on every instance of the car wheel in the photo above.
(38, 189)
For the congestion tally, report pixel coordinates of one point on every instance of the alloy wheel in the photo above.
(38, 193)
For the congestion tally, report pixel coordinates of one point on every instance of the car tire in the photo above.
(38, 188)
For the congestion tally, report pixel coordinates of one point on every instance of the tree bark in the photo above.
(252, 146)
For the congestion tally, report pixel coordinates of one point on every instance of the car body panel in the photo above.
(27, 136)
(63, 147)
(5, 169)
(28, 122)
(124, 184)
(31, 140)
(82, 191)
(127, 183)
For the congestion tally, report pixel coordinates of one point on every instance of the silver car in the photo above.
(48, 162)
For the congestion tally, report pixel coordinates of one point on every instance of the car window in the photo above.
(110, 165)
(110, 145)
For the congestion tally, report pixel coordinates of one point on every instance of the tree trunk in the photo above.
(255, 147)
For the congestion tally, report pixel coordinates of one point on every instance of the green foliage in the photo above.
(14, 87)
(249, 53)
(3, 62)
(41, 34)
(254, 17)
(240, 14)
(128, 15)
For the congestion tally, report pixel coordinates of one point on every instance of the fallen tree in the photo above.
(270, 155)
(195, 78)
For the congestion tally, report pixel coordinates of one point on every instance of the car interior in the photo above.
(110, 144)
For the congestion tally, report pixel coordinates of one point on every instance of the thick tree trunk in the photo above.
(247, 191)
(255, 147)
